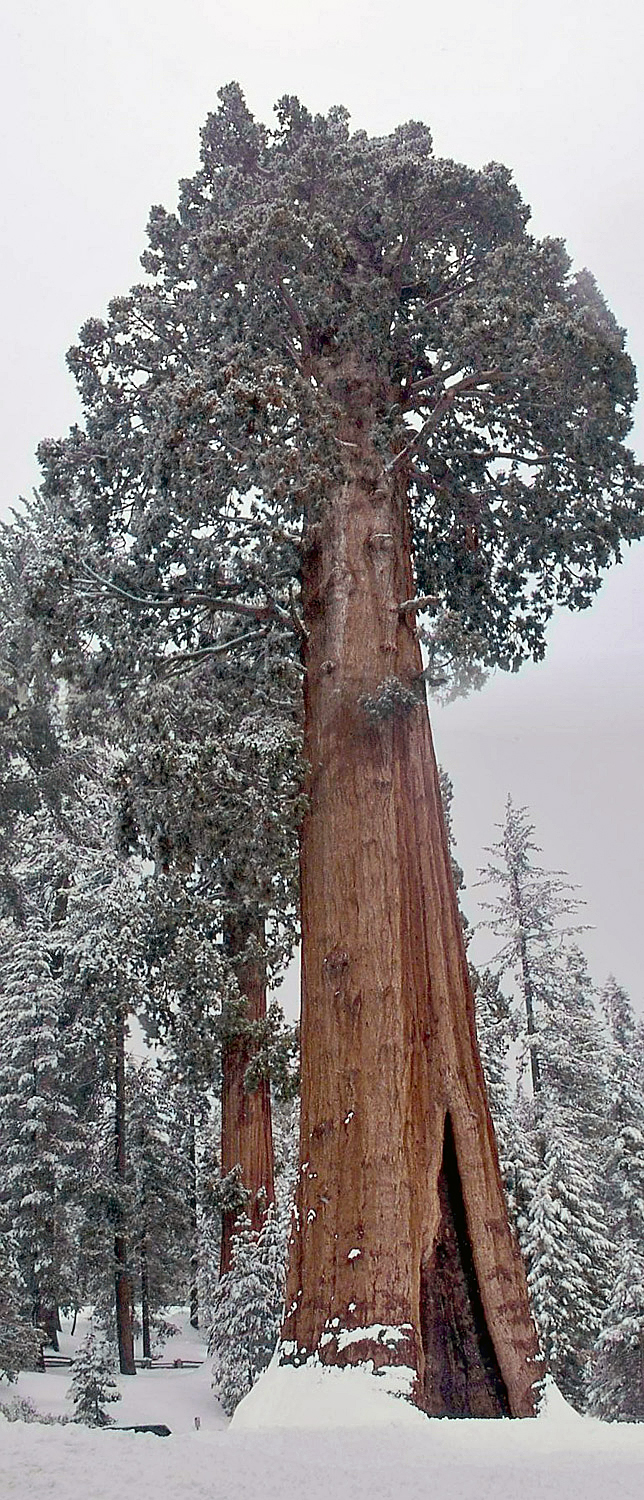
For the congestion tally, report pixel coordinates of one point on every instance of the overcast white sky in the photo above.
(100, 108)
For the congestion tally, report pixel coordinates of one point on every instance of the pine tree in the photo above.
(105, 967)
(93, 1383)
(616, 1381)
(160, 1226)
(353, 387)
(558, 1172)
(20, 1342)
(563, 1237)
(495, 1030)
(38, 1121)
(247, 1310)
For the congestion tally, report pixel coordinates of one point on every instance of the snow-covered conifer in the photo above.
(20, 1342)
(562, 1102)
(616, 1379)
(93, 1382)
(351, 375)
(38, 1120)
(247, 1310)
(563, 1237)
(160, 1209)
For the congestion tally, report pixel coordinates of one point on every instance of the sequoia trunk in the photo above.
(246, 1126)
(401, 1250)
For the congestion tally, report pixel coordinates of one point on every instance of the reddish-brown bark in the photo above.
(401, 1219)
(246, 1127)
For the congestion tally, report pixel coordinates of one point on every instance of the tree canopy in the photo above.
(212, 392)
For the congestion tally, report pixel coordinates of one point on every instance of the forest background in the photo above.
(102, 106)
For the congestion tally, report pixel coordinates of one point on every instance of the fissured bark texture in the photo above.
(246, 1126)
(401, 1221)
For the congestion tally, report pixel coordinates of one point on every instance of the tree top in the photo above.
(307, 268)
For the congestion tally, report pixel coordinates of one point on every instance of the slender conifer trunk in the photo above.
(528, 991)
(246, 1126)
(401, 1250)
(122, 1287)
(194, 1226)
(145, 1299)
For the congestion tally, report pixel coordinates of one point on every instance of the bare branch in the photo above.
(490, 454)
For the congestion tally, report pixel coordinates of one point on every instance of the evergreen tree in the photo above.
(562, 1232)
(105, 967)
(626, 1112)
(247, 1310)
(353, 386)
(616, 1382)
(617, 1376)
(38, 1122)
(20, 1342)
(159, 1209)
(93, 1383)
(558, 1172)
(41, 763)
(496, 1029)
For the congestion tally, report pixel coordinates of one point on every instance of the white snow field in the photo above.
(307, 1434)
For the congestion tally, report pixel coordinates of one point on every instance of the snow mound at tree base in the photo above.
(315, 1396)
(555, 1408)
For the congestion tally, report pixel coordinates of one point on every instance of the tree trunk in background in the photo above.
(246, 1128)
(194, 1226)
(47, 1317)
(145, 1300)
(528, 991)
(401, 1220)
(123, 1291)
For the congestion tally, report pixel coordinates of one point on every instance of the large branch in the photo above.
(296, 319)
(188, 599)
(468, 383)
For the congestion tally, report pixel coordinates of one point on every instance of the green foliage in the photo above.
(212, 393)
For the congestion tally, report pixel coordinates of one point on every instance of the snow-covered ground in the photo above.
(173, 1397)
(307, 1435)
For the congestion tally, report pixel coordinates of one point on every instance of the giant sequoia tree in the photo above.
(353, 387)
